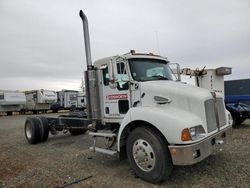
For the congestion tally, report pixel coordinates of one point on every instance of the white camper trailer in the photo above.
(39, 100)
(11, 101)
(81, 101)
(66, 99)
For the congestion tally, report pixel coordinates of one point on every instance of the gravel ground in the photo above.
(65, 158)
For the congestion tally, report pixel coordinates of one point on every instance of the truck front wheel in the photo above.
(148, 155)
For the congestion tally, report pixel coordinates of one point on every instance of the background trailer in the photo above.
(11, 101)
(39, 100)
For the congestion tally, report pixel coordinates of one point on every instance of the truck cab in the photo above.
(123, 78)
(137, 93)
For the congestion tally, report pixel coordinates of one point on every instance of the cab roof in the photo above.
(130, 55)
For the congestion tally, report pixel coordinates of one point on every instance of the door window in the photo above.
(122, 77)
(105, 76)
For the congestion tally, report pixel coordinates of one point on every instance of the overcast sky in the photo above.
(41, 43)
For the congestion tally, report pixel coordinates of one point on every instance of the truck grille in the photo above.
(211, 114)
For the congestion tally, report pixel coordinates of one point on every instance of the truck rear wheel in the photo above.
(32, 130)
(148, 155)
(44, 128)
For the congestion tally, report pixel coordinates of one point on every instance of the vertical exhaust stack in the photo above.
(91, 77)
(86, 39)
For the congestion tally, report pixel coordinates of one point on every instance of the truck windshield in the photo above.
(149, 69)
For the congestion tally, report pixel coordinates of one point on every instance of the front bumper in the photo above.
(194, 153)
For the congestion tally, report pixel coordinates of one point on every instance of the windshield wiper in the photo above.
(160, 77)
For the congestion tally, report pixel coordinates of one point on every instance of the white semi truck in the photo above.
(39, 100)
(145, 116)
(11, 101)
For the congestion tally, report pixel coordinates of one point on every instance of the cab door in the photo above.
(116, 99)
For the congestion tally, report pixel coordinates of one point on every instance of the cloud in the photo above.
(42, 40)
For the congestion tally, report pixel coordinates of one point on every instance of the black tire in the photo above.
(237, 121)
(9, 113)
(32, 130)
(234, 121)
(44, 128)
(241, 121)
(163, 165)
(77, 131)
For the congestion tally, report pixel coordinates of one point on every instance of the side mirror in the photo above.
(176, 70)
(113, 85)
(112, 71)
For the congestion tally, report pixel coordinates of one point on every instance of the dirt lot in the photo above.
(65, 158)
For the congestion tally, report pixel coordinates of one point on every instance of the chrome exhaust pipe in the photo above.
(91, 78)
(86, 39)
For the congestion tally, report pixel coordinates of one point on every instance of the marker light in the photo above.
(173, 151)
(132, 51)
(185, 135)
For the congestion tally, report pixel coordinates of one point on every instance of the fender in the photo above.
(169, 121)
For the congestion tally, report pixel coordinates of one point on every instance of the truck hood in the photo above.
(179, 95)
(174, 90)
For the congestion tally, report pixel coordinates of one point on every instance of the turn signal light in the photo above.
(185, 135)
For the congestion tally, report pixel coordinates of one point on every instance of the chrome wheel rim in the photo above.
(28, 131)
(143, 155)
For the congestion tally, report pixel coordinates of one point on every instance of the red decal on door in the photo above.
(117, 97)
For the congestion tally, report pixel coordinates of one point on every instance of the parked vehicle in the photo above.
(39, 100)
(66, 99)
(81, 101)
(142, 114)
(240, 111)
(11, 101)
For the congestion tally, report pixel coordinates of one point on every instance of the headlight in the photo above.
(197, 132)
(192, 133)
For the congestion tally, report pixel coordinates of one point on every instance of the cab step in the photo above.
(98, 134)
(103, 151)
